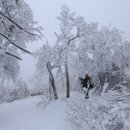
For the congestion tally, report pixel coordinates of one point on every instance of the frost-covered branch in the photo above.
(16, 24)
(13, 55)
(15, 44)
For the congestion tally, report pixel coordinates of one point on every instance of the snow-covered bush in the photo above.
(38, 85)
(110, 111)
(46, 97)
(13, 92)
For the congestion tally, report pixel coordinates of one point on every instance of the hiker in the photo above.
(86, 82)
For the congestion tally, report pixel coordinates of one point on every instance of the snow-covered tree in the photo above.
(9, 68)
(17, 27)
(66, 41)
(98, 46)
(45, 65)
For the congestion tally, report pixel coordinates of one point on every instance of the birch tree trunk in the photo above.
(52, 81)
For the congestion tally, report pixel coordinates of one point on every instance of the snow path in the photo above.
(25, 115)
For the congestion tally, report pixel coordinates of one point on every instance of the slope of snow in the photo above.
(26, 115)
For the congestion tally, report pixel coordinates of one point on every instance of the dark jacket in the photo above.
(85, 82)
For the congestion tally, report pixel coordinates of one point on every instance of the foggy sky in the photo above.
(106, 12)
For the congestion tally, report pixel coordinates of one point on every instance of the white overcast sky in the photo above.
(107, 12)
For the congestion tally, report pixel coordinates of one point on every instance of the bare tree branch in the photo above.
(13, 55)
(55, 66)
(69, 40)
(5, 26)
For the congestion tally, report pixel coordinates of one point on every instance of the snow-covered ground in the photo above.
(26, 115)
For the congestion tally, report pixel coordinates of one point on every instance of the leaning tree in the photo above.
(45, 64)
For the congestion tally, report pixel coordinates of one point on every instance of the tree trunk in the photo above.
(52, 81)
(124, 59)
(50, 89)
(67, 81)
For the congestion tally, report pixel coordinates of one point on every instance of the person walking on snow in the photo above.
(86, 83)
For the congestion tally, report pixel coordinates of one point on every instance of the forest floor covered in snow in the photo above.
(27, 115)
(110, 111)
